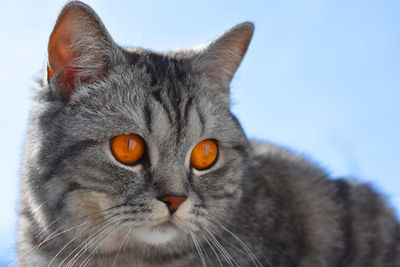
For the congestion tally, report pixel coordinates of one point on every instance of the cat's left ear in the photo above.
(219, 61)
(80, 49)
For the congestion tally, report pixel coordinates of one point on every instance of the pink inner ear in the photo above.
(62, 57)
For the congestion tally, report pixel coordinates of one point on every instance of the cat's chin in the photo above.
(158, 235)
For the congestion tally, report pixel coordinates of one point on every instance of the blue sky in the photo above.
(320, 77)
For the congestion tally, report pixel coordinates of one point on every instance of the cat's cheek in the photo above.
(86, 207)
(113, 242)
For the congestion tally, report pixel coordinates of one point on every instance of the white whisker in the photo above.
(122, 244)
(198, 249)
(212, 248)
(224, 252)
(61, 250)
(89, 239)
(86, 260)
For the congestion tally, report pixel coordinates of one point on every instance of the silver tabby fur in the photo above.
(259, 205)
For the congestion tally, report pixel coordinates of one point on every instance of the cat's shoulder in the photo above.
(274, 165)
(288, 172)
(279, 159)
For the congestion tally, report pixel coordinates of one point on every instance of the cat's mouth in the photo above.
(168, 223)
(160, 233)
(163, 229)
(163, 226)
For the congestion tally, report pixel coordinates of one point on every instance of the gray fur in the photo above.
(285, 209)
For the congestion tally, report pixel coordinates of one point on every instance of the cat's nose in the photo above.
(173, 202)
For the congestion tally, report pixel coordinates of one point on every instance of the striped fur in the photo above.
(259, 205)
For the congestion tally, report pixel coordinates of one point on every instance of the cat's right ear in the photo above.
(218, 62)
(80, 49)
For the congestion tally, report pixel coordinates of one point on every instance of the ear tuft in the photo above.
(79, 48)
(220, 60)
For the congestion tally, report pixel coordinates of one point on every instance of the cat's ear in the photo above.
(221, 58)
(79, 49)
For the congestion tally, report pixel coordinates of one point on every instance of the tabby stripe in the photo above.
(175, 99)
(180, 121)
(157, 96)
(147, 116)
(187, 109)
(201, 119)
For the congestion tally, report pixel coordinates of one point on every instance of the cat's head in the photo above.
(133, 141)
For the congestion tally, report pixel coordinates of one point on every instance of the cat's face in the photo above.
(169, 117)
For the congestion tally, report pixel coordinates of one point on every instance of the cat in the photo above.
(133, 158)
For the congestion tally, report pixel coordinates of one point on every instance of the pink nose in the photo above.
(172, 202)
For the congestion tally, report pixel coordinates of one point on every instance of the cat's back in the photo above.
(324, 221)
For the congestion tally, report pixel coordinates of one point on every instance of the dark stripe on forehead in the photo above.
(187, 109)
(168, 79)
(175, 98)
(157, 96)
(147, 116)
(201, 118)
(162, 68)
(178, 131)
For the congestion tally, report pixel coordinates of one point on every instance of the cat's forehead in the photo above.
(153, 93)
(162, 69)
(144, 74)
(164, 78)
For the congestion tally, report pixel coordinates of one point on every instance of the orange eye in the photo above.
(127, 148)
(204, 154)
